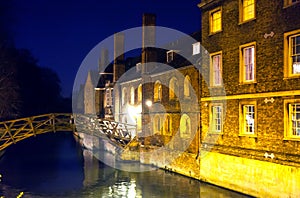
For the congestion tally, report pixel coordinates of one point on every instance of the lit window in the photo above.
(173, 88)
(290, 2)
(185, 126)
(140, 93)
(167, 125)
(247, 63)
(292, 118)
(196, 48)
(186, 88)
(124, 96)
(292, 53)
(216, 119)
(157, 91)
(247, 10)
(157, 124)
(132, 95)
(215, 20)
(248, 118)
(170, 56)
(216, 69)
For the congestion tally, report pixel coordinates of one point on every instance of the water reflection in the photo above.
(54, 166)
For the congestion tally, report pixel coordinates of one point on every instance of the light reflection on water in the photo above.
(55, 166)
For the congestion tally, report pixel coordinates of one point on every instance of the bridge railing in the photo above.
(16, 130)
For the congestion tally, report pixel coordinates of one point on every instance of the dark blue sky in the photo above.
(60, 33)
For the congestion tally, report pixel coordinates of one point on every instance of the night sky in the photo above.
(60, 33)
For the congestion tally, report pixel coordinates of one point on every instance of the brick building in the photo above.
(250, 96)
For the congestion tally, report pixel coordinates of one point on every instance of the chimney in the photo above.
(103, 63)
(148, 53)
(119, 62)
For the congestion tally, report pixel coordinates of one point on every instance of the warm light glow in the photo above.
(149, 103)
(133, 113)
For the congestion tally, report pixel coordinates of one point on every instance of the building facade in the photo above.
(250, 104)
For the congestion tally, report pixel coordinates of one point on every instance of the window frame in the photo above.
(241, 12)
(187, 87)
(211, 21)
(287, 122)
(196, 48)
(170, 56)
(168, 124)
(242, 131)
(211, 118)
(173, 83)
(157, 91)
(242, 69)
(212, 71)
(287, 54)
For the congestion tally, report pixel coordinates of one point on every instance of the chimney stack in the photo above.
(148, 53)
(119, 62)
(103, 63)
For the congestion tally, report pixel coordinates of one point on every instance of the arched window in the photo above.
(157, 124)
(157, 91)
(140, 93)
(167, 125)
(185, 126)
(187, 83)
(132, 95)
(173, 88)
(124, 96)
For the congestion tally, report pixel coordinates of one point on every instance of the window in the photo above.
(215, 20)
(196, 48)
(216, 118)
(124, 96)
(173, 88)
(140, 93)
(167, 125)
(216, 69)
(186, 88)
(247, 10)
(247, 63)
(292, 118)
(292, 54)
(248, 118)
(170, 56)
(108, 97)
(132, 95)
(185, 126)
(157, 124)
(290, 2)
(157, 91)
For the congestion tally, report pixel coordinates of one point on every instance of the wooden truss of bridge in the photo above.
(13, 131)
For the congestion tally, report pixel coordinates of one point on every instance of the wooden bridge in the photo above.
(14, 131)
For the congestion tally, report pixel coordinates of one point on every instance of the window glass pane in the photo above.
(216, 21)
(249, 118)
(249, 63)
(295, 119)
(248, 9)
(216, 118)
(216, 62)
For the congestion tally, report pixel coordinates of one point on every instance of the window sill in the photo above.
(243, 22)
(248, 135)
(292, 138)
(215, 133)
(215, 86)
(290, 5)
(248, 83)
(291, 77)
(213, 33)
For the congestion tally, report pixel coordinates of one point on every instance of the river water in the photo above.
(54, 165)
